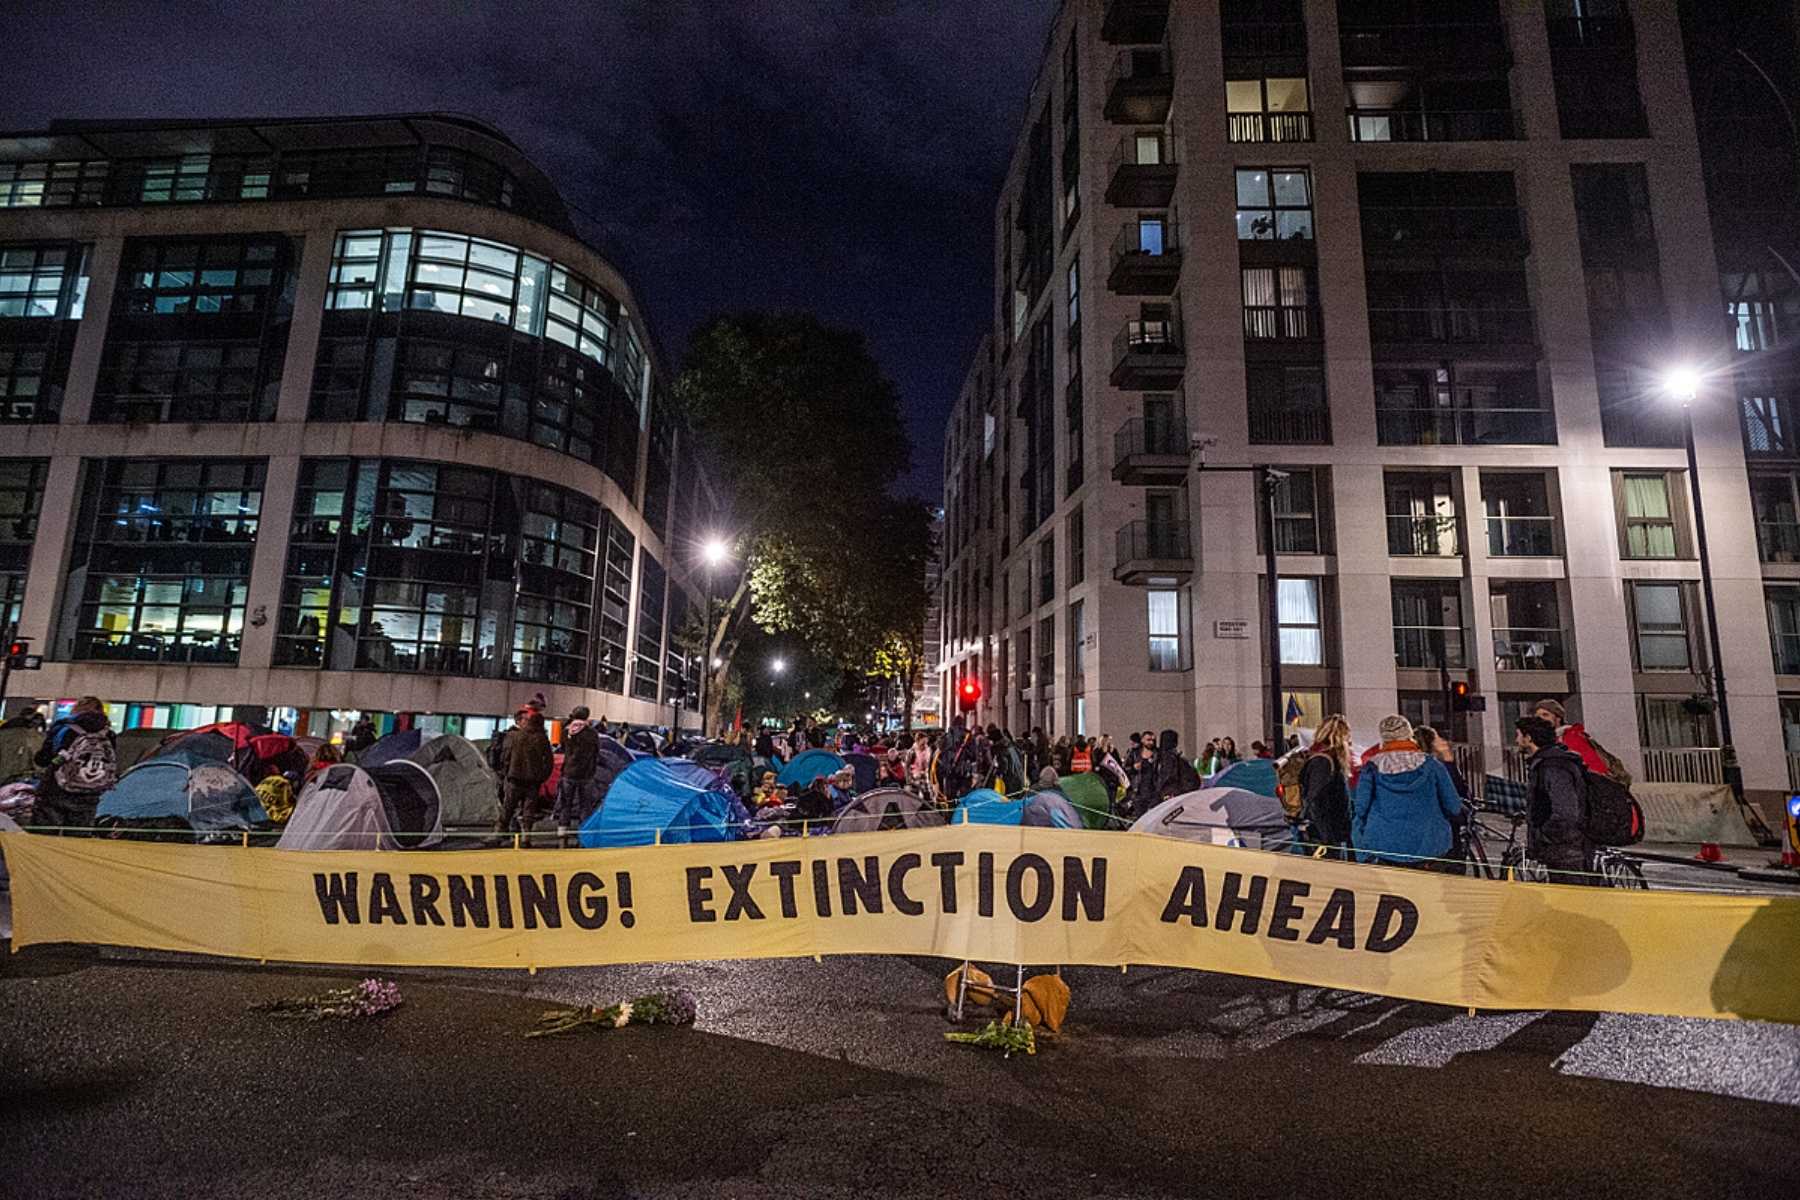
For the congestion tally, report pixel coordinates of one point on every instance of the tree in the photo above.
(890, 627)
(802, 434)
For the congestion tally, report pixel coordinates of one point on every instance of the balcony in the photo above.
(1430, 426)
(1422, 537)
(1282, 426)
(1153, 552)
(1134, 22)
(1415, 125)
(1684, 764)
(1270, 127)
(1778, 541)
(1146, 259)
(1401, 226)
(1142, 171)
(1640, 424)
(1428, 647)
(1452, 46)
(1140, 87)
(1522, 649)
(1283, 323)
(1771, 427)
(1452, 326)
(1264, 39)
(1521, 537)
(1150, 452)
(1147, 355)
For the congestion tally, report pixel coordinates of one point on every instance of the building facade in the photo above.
(308, 418)
(1431, 260)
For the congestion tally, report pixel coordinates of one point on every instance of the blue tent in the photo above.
(1252, 774)
(207, 794)
(683, 800)
(392, 748)
(807, 766)
(985, 806)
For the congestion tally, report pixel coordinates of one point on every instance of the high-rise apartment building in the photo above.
(1433, 260)
(310, 417)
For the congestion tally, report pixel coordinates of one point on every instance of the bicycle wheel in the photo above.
(1475, 859)
(1622, 871)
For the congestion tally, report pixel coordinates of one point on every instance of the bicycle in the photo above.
(1620, 870)
(1512, 864)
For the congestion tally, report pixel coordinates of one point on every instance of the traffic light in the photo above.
(968, 693)
(1463, 700)
(16, 651)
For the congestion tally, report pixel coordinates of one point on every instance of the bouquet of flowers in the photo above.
(658, 1008)
(1005, 1037)
(370, 998)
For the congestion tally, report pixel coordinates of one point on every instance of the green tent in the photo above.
(1087, 792)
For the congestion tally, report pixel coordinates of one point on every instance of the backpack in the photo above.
(88, 765)
(1610, 816)
(1287, 779)
(1615, 767)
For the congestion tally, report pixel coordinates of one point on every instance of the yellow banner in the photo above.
(1020, 895)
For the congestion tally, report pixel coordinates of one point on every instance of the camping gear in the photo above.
(668, 800)
(1048, 808)
(235, 732)
(1088, 795)
(468, 793)
(205, 794)
(867, 768)
(276, 795)
(393, 806)
(18, 798)
(807, 766)
(392, 748)
(1221, 817)
(985, 806)
(1251, 774)
(886, 808)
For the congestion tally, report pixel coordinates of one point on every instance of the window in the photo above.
(1153, 234)
(1274, 203)
(1287, 404)
(1421, 515)
(1527, 626)
(1769, 419)
(1659, 614)
(1077, 546)
(1777, 518)
(52, 184)
(558, 539)
(1279, 303)
(1669, 723)
(1302, 622)
(43, 280)
(1147, 149)
(43, 292)
(1074, 289)
(615, 608)
(1166, 651)
(1046, 553)
(1519, 524)
(1763, 308)
(1046, 649)
(1784, 628)
(21, 500)
(652, 584)
(225, 276)
(1297, 517)
(1460, 404)
(1612, 208)
(178, 381)
(1649, 519)
(1077, 642)
(1273, 109)
(1634, 410)
(1428, 625)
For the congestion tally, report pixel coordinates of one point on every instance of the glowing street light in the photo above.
(778, 665)
(715, 551)
(1683, 383)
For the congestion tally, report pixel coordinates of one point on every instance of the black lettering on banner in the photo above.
(1337, 921)
(1083, 891)
(1232, 903)
(1386, 940)
(383, 903)
(425, 891)
(1286, 912)
(946, 861)
(338, 898)
(468, 901)
(699, 895)
(742, 903)
(821, 871)
(1187, 898)
(587, 903)
(984, 884)
(539, 902)
(1043, 895)
(896, 885)
(784, 872)
(863, 886)
(503, 901)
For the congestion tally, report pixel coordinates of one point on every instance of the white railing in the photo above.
(1794, 771)
(1471, 761)
(1697, 764)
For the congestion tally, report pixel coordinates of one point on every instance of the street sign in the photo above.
(1236, 630)
(30, 662)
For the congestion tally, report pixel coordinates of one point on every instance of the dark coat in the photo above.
(1555, 808)
(1325, 799)
(527, 755)
(581, 753)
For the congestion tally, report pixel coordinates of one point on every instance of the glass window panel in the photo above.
(1287, 95)
(1252, 189)
(1243, 95)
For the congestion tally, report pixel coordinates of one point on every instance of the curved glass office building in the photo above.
(305, 418)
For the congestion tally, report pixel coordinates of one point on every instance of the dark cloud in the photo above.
(822, 154)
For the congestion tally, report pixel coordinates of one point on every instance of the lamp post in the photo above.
(712, 554)
(1683, 383)
(1268, 481)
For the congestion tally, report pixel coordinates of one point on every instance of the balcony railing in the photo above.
(1420, 647)
(1142, 170)
(1793, 761)
(1420, 43)
(1270, 127)
(1162, 439)
(1521, 537)
(1267, 322)
(1452, 326)
(1428, 426)
(1290, 426)
(1398, 223)
(1640, 425)
(1146, 259)
(1422, 537)
(1140, 86)
(1147, 354)
(1416, 125)
(1263, 39)
(99, 646)
(1518, 648)
(1146, 549)
(1778, 541)
(1683, 764)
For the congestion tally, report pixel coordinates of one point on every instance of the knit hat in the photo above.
(1553, 707)
(1396, 729)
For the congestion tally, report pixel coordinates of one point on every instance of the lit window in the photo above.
(1302, 623)
(1662, 638)
(1649, 520)
(1165, 630)
(1274, 204)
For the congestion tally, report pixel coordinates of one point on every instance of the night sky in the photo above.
(831, 155)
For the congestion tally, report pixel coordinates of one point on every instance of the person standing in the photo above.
(1404, 803)
(1081, 758)
(362, 735)
(1174, 774)
(1555, 802)
(1581, 743)
(78, 761)
(526, 762)
(577, 792)
(1325, 786)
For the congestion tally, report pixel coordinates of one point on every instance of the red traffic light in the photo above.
(18, 649)
(968, 692)
(1460, 690)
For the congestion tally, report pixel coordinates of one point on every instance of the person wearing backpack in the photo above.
(1324, 785)
(79, 760)
(1593, 755)
(1555, 802)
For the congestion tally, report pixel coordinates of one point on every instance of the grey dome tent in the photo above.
(886, 808)
(466, 787)
(394, 806)
(1050, 809)
(1222, 817)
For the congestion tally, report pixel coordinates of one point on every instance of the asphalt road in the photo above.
(131, 1076)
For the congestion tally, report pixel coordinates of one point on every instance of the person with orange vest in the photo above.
(1081, 758)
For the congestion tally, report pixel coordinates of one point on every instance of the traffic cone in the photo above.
(1790, 858)
(1710, 853)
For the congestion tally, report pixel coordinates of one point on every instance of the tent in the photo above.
(236, 732)
(206, 794)
(887, 808)
(1088, 795)
(1252, 775)
(867, 768)
(392, 748)
(468, 793)
(807, 766)
(681, 800)
(393, 806)
(1048, 809)
(1222, 817)
(733, 763)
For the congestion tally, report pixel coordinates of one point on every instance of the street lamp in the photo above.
(713, 553)
(778, 665)
(1683, 383)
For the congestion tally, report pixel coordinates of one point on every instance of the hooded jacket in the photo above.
(1175, 775)
(1555, 803)
(527, 754)
(1403, 805)
(581, 751)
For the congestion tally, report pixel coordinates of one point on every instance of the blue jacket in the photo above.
(1402, 807)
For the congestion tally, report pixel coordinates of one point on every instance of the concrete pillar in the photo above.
(313, 276)
(90, 335)
(269, 563)
(57, 518)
